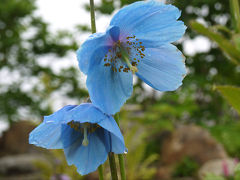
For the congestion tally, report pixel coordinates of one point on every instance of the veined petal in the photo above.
(115, 136)
(47, 135)
(109, 89)
(92, 51)
(162, 68)
(87, 158)
(59, 116)
(86, 112)
(152, 22)
(69, 135)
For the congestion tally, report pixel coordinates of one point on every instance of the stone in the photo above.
(15, 139)
(220, 167)
(20, 164)
(191, 141)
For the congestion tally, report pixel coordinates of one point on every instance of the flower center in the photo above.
(125, 56)
(84, 128)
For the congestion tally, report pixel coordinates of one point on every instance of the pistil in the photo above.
(125, 58)
(85, 139)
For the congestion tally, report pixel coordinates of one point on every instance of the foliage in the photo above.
(27, 86)
(230, 46)
(228, 135)
(186, 168)
(231, 94)
(57, 165)
(138, 167)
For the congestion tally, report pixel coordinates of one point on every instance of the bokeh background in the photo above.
(192, 133)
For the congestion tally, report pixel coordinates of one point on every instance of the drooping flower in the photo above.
(138, 41)
(85, 133)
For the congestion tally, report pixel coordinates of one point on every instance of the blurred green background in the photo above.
(192, 133)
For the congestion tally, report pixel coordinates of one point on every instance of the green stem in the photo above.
(235, 11)
(93, 27)
(100, 172)
(113, 167)
(93, 24)
(121, 156)
(122, 167)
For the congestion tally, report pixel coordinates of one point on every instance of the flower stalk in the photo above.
(121, 156)
(93, 22)
(93, 27)
(100, 172)
(113, 166)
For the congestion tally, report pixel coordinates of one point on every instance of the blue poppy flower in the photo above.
(85, 133)
(138, 41)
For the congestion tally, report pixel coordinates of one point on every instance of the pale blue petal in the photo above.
(109, 90)
(87, 158)
(69, 135)
(47, 135)
(115, 136)
(86, 112)
(152, 22)
(60, 115)
(162, 68)
(92, 51)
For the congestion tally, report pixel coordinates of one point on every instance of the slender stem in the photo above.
(113, 167)
(93, 27)
(235, 12)
(100, 172)
(93, 24)
(121, 156)
(122, 167)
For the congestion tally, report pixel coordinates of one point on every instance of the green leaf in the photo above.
(229, 49)
(231, 94)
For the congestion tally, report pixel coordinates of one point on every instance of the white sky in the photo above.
(62, 14)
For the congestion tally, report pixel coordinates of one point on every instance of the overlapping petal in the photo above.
(87, 158)
(152, 22)
(58, 131)
(162, 68)
(49, 133)
(108, 89)
(93, 50)
(115, 136)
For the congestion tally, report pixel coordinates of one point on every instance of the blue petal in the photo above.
(87, 158)
(114, 33)
(47, 135)
(162, 68)
(115, 138)
(152, 22)
(108, 89)
(69, 135)
(86, 112)
(95, 48)
(60, 115)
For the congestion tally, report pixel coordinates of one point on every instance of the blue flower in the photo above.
(137, 41)
(85, 133)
